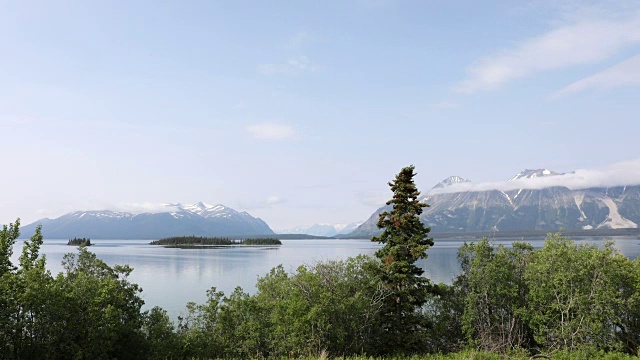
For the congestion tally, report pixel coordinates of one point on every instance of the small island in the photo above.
(205, 242)
(79, 242)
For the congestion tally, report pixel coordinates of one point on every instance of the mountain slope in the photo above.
(548, 209)
(198, 219)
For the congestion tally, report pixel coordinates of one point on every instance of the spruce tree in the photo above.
(405, 240)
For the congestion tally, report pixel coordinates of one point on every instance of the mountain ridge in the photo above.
(551, 208)
(322, 229)
(198, 219)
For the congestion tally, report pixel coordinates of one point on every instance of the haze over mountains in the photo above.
(198, 219)
(523, 203)
(322, 229)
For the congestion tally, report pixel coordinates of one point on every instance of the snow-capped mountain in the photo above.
(321, 229)
(348, 228)
(530, 174)
(211, 211)
(175, 220)
(451, 180)
(548, 209)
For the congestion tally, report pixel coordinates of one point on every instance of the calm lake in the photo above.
(172, 277)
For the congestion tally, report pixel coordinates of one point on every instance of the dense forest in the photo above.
(563, 301)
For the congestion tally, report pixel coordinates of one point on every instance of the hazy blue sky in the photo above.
(301, 111)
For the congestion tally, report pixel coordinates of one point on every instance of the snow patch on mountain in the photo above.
(533, 173)
(533, 199)
(451, 180)
(198, 219)
(508, 198)
(102, 214)
(176, 210)
(615, 220)
(579, 199)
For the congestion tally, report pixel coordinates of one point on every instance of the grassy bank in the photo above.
(582, 354)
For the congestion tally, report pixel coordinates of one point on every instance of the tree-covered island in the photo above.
(79, 242)
(202, 241)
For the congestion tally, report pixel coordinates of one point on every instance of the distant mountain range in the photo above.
(548, 209)
(322, 229)
(198, 219)
(452, 209)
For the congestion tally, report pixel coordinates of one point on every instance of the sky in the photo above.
(300, 112)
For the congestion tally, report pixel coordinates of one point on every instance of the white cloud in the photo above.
(133, 208)
(619, 174)
(626, 73)
(139, 208)
(583, 41)
(301, 64)
(270, 131)
(274, 200)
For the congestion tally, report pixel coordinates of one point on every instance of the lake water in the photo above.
(172, 277)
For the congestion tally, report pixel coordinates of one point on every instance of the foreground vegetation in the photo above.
(186, 241)
(563, 301)
(582, 354)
